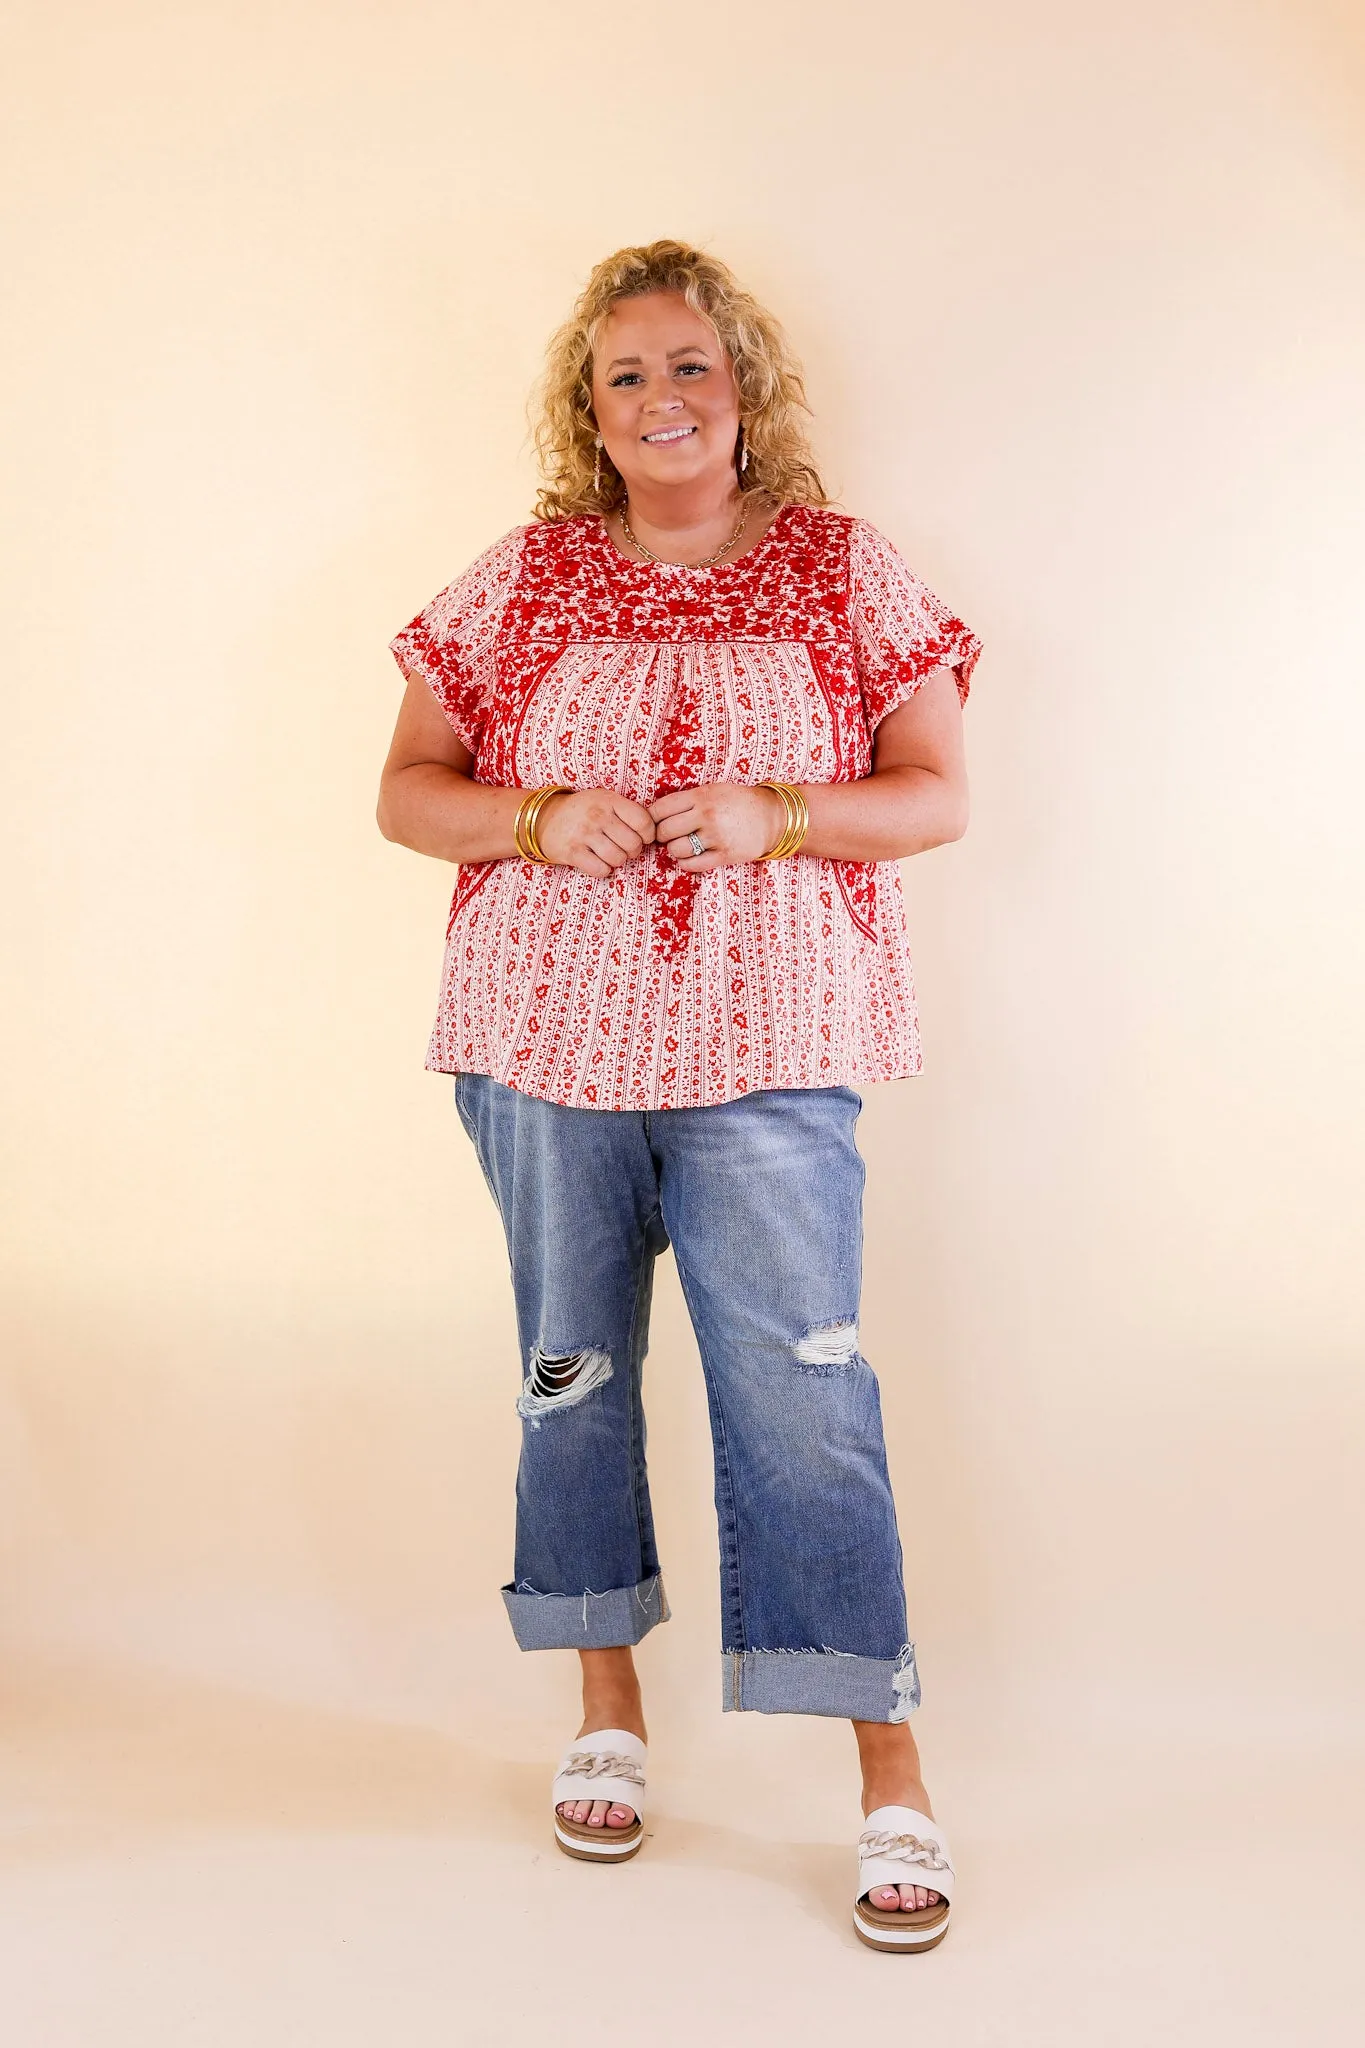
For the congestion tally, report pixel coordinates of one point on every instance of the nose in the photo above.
(666, 399)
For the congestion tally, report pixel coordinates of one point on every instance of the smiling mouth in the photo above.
(665, 434)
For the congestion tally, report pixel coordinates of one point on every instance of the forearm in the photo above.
(885, 816)
(436, 810)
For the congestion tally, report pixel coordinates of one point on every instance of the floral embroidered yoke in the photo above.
(557, 660)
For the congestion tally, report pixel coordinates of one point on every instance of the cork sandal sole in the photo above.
(598, 1845)
(900, 1933)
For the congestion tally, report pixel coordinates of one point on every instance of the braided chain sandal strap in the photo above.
(900, 1846)
(608, 1764)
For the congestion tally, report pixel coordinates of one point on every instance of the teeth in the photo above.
(673, 434)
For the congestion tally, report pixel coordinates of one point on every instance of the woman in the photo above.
(677, 732)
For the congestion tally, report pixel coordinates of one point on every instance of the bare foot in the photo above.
(891, 1777)
(611, 1699)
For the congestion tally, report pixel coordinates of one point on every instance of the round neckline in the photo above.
(625, 561)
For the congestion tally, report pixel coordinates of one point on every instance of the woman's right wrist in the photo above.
(526, 823)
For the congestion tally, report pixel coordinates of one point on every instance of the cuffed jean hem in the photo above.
(821, 1682)
(586, 1621)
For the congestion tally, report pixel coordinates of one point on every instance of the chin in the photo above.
(683, 467)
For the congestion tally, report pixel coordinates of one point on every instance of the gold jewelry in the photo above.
(532, 826)
(522, 848)
(724, 549)
(803, 826)
(524, 824)
(796, 830)
(532, 820)
(789, 814)
(798, 820)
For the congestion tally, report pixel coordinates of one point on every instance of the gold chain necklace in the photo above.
(724, 548)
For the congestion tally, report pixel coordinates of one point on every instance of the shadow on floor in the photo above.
(94, 1754)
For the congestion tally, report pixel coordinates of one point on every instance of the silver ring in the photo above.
(694, 841)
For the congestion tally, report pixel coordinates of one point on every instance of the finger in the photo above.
(637, 816)
(699, 863)
(607, 850)
(679, 844)
(622, 835)
(669, 805)
(589, 864)
(673, 831)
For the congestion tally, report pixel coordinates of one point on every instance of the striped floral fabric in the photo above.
(557, 660)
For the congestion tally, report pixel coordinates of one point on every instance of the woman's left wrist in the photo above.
(796, 820)
(776, 815)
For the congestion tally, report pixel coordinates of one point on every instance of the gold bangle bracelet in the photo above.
(528, 827)
(803, 826)
(534, 850)
(533, 820)
(793, 843)
(798, 819)
(518, 823)
(783, 790)
(528, 811)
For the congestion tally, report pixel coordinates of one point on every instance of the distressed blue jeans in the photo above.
(761, 1201)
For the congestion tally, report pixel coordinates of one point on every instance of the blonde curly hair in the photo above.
(771, 395)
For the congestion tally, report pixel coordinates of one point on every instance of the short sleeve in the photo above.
(452, 642)
(901, 631)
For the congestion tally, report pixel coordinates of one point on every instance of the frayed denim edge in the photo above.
(820, 1681)
(614, 1620)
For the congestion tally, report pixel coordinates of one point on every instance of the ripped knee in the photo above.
(829, 1347)
(560, 1380)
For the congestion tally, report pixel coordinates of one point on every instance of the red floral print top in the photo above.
(557, 660)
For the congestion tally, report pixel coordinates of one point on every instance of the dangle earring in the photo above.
(744, 458)
(597, 468)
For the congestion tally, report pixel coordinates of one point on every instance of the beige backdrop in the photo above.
(1080, 296)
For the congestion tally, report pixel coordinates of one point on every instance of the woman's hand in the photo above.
(593, 830)
(733, 822)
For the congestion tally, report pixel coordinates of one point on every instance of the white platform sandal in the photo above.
(608, 1764)
(900, 1846)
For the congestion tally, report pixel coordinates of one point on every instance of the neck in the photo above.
(680, 522)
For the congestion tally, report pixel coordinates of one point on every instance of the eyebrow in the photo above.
(694, 348)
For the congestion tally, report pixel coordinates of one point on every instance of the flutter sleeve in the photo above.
(452, 642)
(901, 631)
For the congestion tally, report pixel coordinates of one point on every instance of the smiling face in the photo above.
(664, 396)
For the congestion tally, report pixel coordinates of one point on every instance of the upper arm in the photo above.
(925, 731)
(423, 732)
(902, 633)
(449, 657)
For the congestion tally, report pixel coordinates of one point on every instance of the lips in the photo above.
(663, 435)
